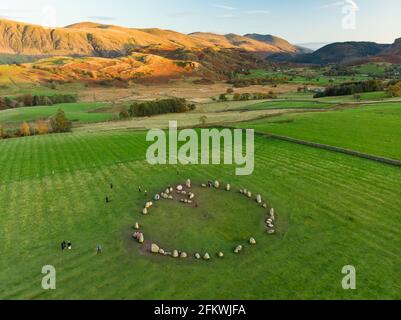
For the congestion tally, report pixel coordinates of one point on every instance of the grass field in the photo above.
(76, 112)
(333, 210)
(373, 129)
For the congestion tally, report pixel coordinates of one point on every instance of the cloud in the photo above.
(220, 6)
(102, 18)
(257, 12)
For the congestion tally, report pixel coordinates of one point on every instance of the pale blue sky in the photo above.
(297, 21)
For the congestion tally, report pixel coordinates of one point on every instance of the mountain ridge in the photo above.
(94, 39)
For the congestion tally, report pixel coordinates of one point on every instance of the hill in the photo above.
(280, 43)
(339, 52)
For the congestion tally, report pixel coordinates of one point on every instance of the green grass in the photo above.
(373, 69)
(76, 112)
(333, 210)
(373, 129)
(289, 105)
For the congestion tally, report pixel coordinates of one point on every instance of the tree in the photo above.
(223, 97)
(25, 130)
(203, 120)
(60, 123)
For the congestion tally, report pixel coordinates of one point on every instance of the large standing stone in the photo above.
(137, 226)
(249, 194)
(221, 254)
(206, 256)
(162, 252)
(156, 197)
(175, 254)
(197, 256)
(154, 248)
(188, 183)
(252, 241)
(183, 255)
(148, 205)
(259, 199)
(217, 184)
(228, 187)
(141, 238)
(145, 211)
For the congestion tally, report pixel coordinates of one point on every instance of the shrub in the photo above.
(124, 114)
(60, 123)
(223, 97)
(25, 129)
(394, 90)
(41, 127)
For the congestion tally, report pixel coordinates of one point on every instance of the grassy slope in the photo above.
(373, 129)
(333, 210)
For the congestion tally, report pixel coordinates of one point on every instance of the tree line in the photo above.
(351, 88)
(28, 100)
(150, 108)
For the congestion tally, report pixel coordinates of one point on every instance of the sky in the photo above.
(297, 21)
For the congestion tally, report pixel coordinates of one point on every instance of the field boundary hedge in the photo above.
(327, 147)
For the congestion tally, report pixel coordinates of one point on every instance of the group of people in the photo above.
(68, 245)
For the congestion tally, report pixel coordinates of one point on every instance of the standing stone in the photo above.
(217, 184)
(180, 188)
(197, 256)
(206, 256)
(145, 211)
(204, 185)
(167, 191)
(259, 199)
(249, 194)
(252, 241)
(141, 238)
(271, 231)
(272, 213)
(238, 249)
(183, 255)
(175, 254)
(162, 252)
(137, 227)
(156, 197)
(221, 254)
(264, 205)
(228, 187)
(245, 191)
(188, 183)
(154, 248)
